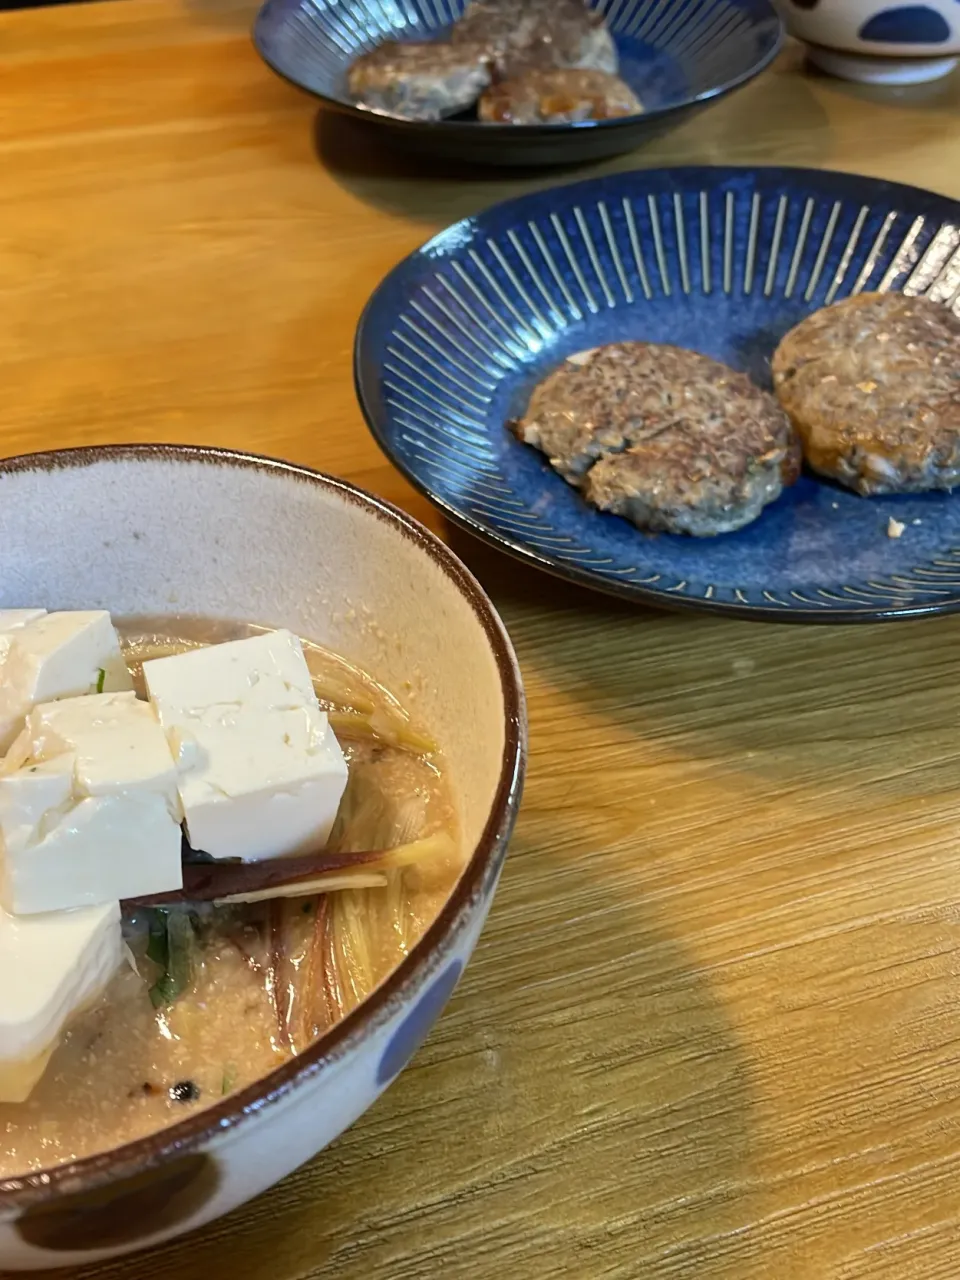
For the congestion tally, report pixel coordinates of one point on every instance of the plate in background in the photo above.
(722, 260)
(675, 54)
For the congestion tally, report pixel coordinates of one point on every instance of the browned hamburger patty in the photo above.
(873, 387)
(552, 33)
(420, 81)
(553, 96)
(667, 438)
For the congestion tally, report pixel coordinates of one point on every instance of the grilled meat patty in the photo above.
(547, 33)
(872, 385)
(522, 42)
(420, 81)
(667, 438)
(553, 96)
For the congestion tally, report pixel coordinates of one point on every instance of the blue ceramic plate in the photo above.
(675, 54)
(720, 260)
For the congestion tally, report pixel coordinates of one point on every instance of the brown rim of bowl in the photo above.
(482, 866)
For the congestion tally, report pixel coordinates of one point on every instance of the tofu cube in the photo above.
(12, 620)
(262, 772)
(55, 966)
(89, 808)
(58, 655)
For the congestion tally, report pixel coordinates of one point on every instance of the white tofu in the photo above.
(263, 785)
(12, 620)
(53, 967)
(89, 807)
(262, 772)
(266, 672)
(30, 799)
(58, 655)
(116, 739)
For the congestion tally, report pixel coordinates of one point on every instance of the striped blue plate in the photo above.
(720, 260)
(675, 54)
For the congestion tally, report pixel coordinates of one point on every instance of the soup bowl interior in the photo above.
(173, 531)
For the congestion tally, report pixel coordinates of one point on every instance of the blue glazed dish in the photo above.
(721, 260)
(675, 54)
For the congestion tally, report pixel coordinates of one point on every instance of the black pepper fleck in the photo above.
(184, 1091)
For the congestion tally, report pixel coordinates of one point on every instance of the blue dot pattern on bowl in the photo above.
(907, 24)
(673, 52)
(413, 1030)
(720, 260)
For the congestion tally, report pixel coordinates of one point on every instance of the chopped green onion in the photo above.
(170, 945)
(181, 940)
(101, 676)
(157, 947)
(163, 991)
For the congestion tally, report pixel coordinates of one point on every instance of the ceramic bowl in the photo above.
(203, 531)
(878, 41)
(675, 57)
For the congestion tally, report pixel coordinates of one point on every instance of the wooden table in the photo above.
(713, 1027)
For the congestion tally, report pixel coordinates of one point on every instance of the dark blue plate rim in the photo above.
(528, 131)
(635, 593)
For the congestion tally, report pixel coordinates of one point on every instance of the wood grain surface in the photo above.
(713, 1027)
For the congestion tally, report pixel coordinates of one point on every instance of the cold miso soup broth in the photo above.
(217, 996)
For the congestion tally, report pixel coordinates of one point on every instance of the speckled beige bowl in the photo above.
(159, 529)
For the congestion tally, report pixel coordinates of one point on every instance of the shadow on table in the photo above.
(583, 1100)
(225, 15)
(827, 718)
(514, 582)
(367, 162)
(363, 160)
(777, 710)
(937, 96)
